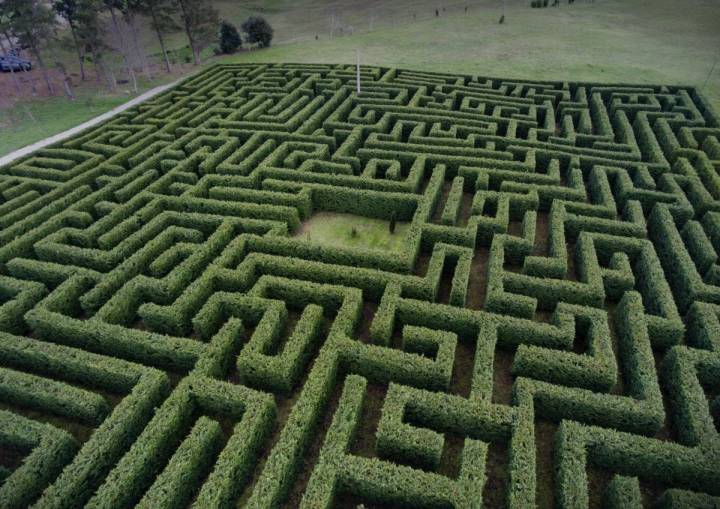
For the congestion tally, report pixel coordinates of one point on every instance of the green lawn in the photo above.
(347, 230)
(49, 116)
(33, 120)
(631, 41)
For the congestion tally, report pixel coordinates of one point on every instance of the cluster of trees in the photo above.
(257, 31)
(33, 24)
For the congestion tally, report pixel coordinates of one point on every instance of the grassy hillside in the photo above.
(636, 41)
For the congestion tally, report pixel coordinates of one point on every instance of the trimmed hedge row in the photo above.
(382, 481)
(163, 237)
(48, 449)
(133, 475)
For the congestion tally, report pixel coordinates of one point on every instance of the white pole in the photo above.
(357, 51)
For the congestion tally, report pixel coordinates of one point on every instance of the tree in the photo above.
(229, 38)
(128, 9)
(258, 31)
(112, 6)
(161, 14)
(68, 9)
(32, 23)
(4, 27)
(91, 33)
(200, 20)
(66, 80)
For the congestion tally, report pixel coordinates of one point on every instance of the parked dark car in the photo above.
(14, 63)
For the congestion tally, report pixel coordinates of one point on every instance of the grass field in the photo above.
(634, 41)
(35, 120)
(347, 230)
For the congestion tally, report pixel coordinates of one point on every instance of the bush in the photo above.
(258, 31)
(230, 40)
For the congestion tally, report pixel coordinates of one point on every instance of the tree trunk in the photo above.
(40, 62)
(133, 77)
(112, 82)
(188, 31)
(123, 50)
(16, 82)
(101, 70)
(129, 19)
(162, 43)
(29, 80)
(96, 63)
(80, 54)
(7, 36)
(143, 54)
(68, 90)
(29, 113)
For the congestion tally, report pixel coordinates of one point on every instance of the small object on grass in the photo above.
(502, 19)
(393, 218)
(353, 232)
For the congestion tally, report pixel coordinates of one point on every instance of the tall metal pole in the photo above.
(357, 51)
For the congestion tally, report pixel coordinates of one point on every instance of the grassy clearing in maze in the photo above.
(546, 330)
(347, 230)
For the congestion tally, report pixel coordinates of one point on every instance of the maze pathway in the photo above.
(548, 333)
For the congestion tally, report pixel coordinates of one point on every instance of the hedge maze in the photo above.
(548, 335)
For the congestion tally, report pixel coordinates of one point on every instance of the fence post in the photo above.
(357, 51)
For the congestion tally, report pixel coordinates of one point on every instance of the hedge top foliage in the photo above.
(170, 335)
